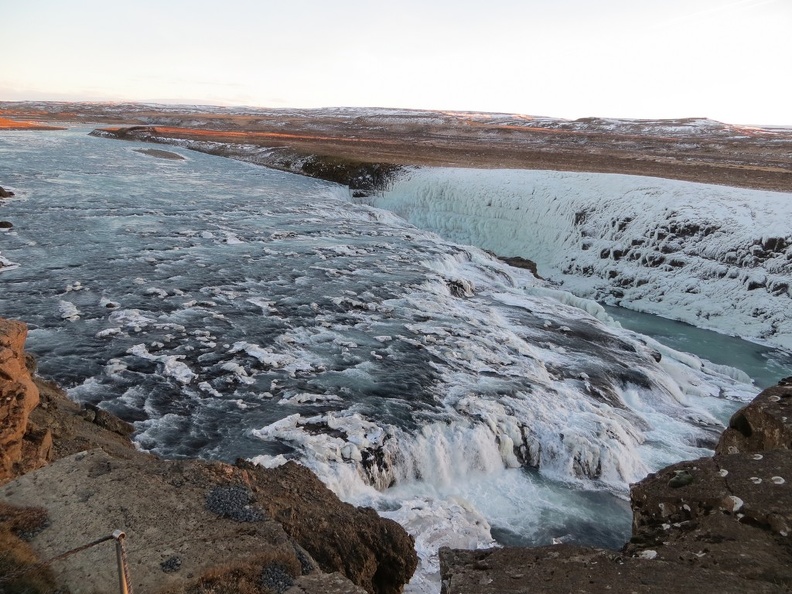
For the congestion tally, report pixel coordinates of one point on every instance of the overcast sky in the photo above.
(730, 60)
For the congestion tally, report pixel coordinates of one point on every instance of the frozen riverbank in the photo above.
(712, 256)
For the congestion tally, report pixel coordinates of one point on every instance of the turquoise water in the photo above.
(765, 365)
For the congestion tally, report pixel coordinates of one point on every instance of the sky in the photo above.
(730, 60)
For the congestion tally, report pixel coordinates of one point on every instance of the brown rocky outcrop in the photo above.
(18, 397)
(5, 193)
(566, 568)
(189, 524)
(373, 552)
(719, 524)
(765, 424)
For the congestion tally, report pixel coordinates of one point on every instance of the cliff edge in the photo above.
(719, 524)
(21, 447)
(191, 526)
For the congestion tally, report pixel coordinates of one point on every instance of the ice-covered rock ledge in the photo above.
(719, 524)
(713, 256)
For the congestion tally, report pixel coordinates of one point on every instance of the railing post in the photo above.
(123, 570)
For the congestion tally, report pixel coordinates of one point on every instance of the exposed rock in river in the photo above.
(5, 193)
(188, 523)
(719, 524)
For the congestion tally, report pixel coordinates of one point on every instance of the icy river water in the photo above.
(230, 311)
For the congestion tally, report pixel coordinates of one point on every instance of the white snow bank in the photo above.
(713, 256)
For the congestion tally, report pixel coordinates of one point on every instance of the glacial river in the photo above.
(229, 311)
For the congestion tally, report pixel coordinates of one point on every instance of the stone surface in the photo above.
(720, 524)
(174, 534)
(565, 568)
(5, 193)
(373, 552)
(765, 424)
(331, 583)
(18, 397)
(159, 505)
(735, 516)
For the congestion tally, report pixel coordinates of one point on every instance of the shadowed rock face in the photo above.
(719, 524)
(5, 193)
(181, 518)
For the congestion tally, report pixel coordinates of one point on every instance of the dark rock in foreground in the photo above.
(371, 551)
(5, 193)
(719, 524)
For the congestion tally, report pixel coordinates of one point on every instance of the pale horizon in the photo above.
(566, 59)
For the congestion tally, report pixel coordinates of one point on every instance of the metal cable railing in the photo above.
(124, 581)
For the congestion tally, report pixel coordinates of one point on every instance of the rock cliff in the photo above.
(191, 525)
(719, 524)
(21, 447)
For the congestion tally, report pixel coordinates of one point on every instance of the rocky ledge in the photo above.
(362, 177)
(719, 524)
(191, 526)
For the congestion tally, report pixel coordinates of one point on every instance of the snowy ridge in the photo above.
(715, 257)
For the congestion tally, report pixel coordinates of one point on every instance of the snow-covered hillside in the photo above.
(713, 256)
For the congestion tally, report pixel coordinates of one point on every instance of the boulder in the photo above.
(6, 224)
(765, 424)
(734, 516)
(5, 193)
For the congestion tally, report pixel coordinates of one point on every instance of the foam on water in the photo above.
(231, 311)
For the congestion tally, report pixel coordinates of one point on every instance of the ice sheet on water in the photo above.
(68, 311)
(172, 366)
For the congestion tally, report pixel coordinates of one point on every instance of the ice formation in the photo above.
(713, 256)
